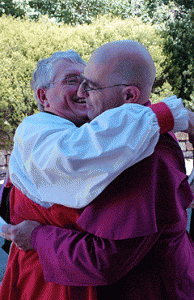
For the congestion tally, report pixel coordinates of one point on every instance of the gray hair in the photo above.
(44, 73)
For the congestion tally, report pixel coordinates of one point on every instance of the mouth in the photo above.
(79, 100)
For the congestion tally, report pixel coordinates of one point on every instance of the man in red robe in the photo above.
(133, 242)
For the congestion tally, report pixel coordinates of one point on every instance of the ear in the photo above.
(131, 94)
(41, 92)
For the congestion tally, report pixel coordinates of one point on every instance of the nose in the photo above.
(81, 92)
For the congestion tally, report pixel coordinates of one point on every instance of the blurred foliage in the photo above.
(9, 7)
(178, 48)
(173, 18)
(85, 11)
(69, 12)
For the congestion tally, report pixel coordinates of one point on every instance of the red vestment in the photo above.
(23, 279)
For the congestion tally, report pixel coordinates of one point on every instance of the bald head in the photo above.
(126, 62)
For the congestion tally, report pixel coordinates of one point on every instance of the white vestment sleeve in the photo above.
(179, 113)
(53, 161)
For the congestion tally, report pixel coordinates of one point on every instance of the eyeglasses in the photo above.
(89, 89)
(71, 79)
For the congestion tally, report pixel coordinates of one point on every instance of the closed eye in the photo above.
(88, 86)
(72, 80)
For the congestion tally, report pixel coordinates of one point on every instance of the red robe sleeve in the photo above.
(164, 116)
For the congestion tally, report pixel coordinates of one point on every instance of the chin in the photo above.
(91, 115)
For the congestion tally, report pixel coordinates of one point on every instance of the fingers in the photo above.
(2, 234)
(20, 234)
(6, 231)
(5, 228)
(21, 247)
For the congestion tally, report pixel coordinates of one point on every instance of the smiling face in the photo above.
(61, 97)
(99, 90)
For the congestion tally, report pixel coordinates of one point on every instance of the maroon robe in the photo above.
(135, 245)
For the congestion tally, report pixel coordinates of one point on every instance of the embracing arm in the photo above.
(69, 257)
(53, 160)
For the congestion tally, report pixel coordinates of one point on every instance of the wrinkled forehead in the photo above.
(65, 67)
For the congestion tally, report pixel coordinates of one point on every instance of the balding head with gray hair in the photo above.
(45, 72)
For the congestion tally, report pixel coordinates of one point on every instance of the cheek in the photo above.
(70, 91)
(99, 100)
(97, 105)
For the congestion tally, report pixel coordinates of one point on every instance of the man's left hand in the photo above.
(20, 234)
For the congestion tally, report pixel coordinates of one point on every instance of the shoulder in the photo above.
(143, 199)
(169, 152)
(30, 120)
(44, 122)
(39, 117)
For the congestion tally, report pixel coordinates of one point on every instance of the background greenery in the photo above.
(31, 30)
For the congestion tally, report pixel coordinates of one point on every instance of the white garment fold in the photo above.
(53, 161)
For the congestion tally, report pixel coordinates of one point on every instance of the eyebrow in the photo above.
(91, 82)
(68, 75)
(71, 75)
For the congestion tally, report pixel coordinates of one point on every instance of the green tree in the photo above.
(9, 7)
(79, 11)
(178, 48)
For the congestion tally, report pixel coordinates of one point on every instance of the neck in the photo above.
(148, 103)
